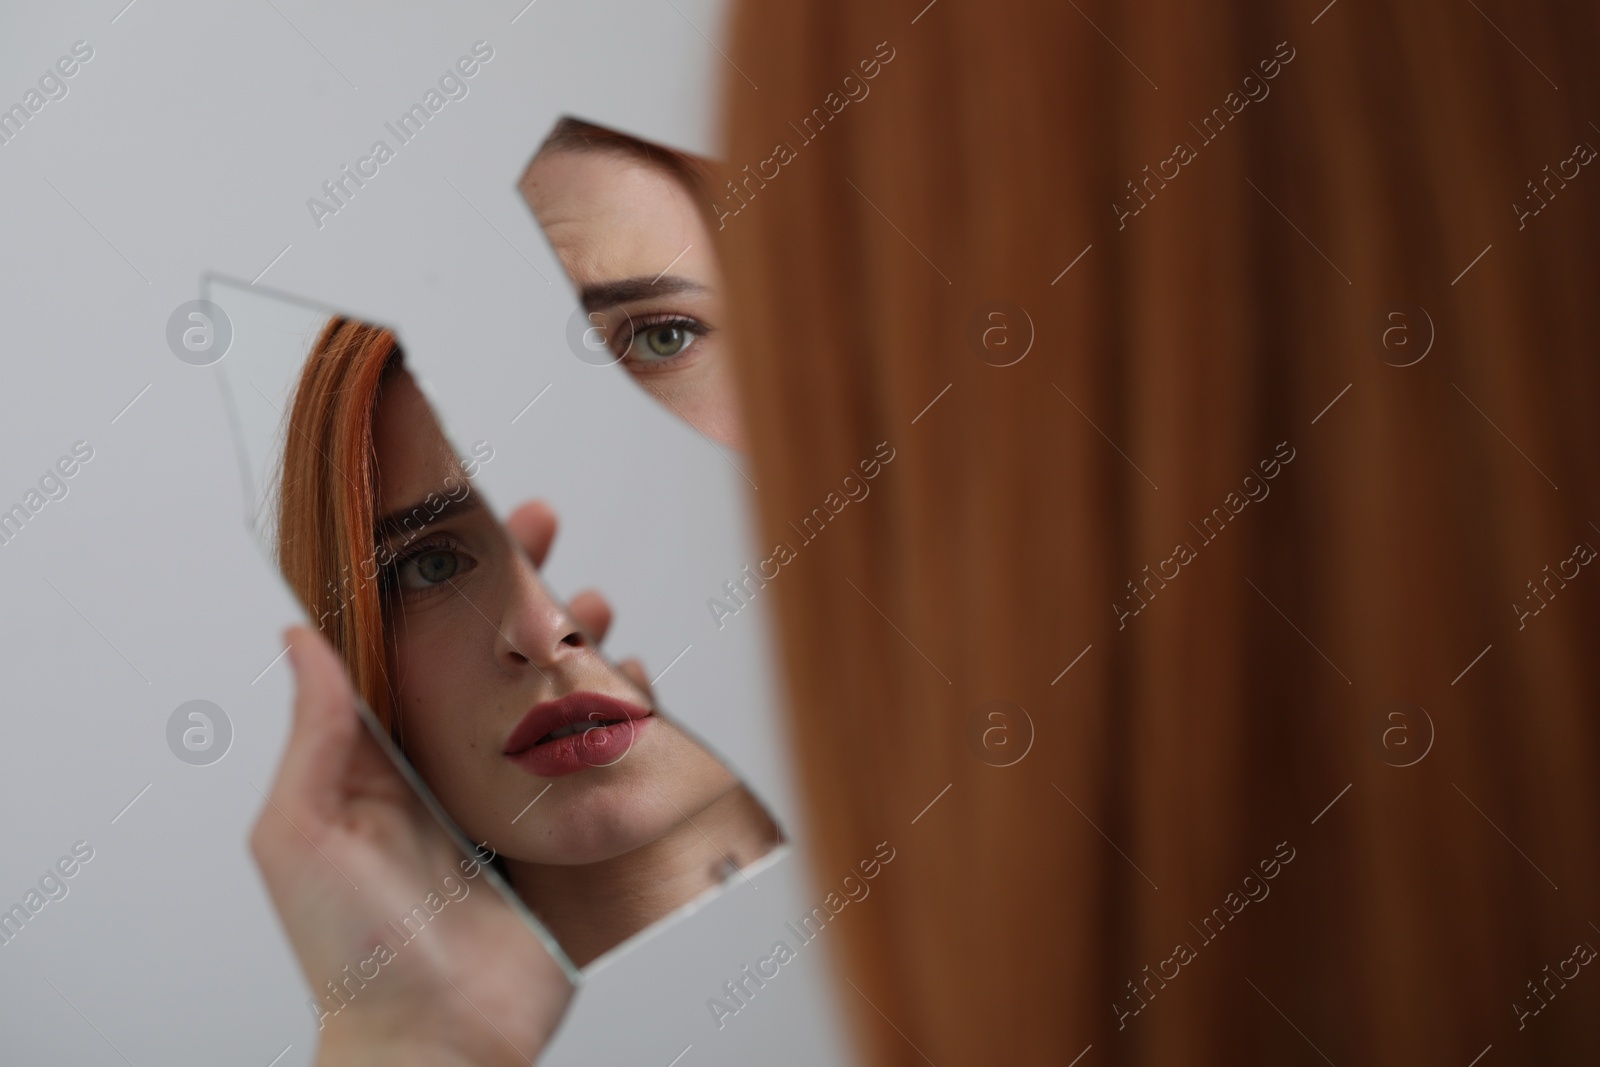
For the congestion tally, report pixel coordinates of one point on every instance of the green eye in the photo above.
(429, 569)
(668, 340)
(437, 566)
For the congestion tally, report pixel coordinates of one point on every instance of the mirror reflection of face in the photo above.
(605, 814)
(637, 248)
(526, 734)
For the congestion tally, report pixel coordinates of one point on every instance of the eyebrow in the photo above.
(609, 294)
(421, 516)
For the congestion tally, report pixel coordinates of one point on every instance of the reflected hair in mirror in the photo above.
(327, 499)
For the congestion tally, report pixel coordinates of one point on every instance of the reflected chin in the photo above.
(600, 825)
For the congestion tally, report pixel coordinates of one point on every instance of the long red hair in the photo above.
(1188, 315)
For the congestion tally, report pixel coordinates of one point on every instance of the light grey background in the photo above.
(190, 143)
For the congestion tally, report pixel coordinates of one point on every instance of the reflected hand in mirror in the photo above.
(626, 219)
(603, 815)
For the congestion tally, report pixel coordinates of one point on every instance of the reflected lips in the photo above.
(559, 737)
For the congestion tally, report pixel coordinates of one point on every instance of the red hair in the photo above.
(328, 499)
(1011, 535)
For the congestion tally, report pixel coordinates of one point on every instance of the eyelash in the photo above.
(645, 323)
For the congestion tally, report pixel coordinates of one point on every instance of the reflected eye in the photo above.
(429, 569)
(659, 342)
(667, 340)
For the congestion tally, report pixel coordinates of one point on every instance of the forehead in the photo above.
(413, 457)
(609, 215)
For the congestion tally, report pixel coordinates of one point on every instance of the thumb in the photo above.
(533, 526)
(592, 612)
(633, 670)
(324, 731)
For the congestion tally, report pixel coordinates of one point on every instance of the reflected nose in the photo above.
(535, 628)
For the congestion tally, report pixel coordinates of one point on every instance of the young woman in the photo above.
(1202, 306)
(605, 815)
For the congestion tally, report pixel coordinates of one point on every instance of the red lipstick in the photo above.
(579, 731)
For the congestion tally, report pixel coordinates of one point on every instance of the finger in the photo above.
(323, 734)
(533, 526)
(634, 670)
(591, 611)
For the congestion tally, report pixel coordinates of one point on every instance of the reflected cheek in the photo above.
(432, 677)
(703, 395)
(697, 773)
(441, 726)
(721, 420)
